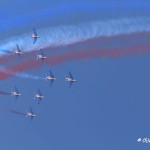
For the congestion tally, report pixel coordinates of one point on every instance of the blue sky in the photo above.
(107, 108)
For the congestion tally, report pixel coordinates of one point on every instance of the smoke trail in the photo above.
(28, 76)
(6, 51)
(86, 54)
(64, 35)
(4, 93)
(20, 75)
(17, 69)
(70, 56)
(17, 112)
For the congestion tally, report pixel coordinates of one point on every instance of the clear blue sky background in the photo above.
(108, 108)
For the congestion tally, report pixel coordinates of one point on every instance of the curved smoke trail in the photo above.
(64, 35)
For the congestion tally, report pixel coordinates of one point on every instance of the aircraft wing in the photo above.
(51, 82)
(16, 98)
(42, 60)
(31, 118)
(41, 52)
(39, 100)
(51, 74)
(70, 84)
(34, 40)
(16, 89)
(70, 75)
(34, 31)
(39, 92)
(17, 47)
(18, 56)
(31, 109)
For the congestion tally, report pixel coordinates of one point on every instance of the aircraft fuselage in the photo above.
(50, 78)
(29, 114)
(34, 36)
(15, 94)
(39, 96)
(41, 57)
(70, 80)
(18, 52)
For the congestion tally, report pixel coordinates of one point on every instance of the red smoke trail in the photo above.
(73, 55)
(13, 70)
(6, 58)
(86, 54)
(5, 93)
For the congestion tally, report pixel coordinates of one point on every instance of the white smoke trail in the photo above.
(62, 35)
(28, 76)
(20, 75)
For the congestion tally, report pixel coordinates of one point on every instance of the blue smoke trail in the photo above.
(63, 35)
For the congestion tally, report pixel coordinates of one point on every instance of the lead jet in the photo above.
(50, 77)
(16, 93)
(34, 35)
(30, 114)
(17, 51)
(70, 79)
(41, 56)
(39, 96)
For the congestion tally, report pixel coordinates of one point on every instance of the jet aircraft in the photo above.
(30, 114)
(40, 56)
(50, 77)
(70, 79)
(15, 93)
(39, 96)
(17, 51)
(34, 35)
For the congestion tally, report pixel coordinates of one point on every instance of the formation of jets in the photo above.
(34, 35)
(50, 77)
